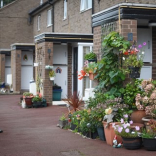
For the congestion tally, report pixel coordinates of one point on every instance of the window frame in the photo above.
(65, 10)
(49, 13)
(38, 22)
(85, 5)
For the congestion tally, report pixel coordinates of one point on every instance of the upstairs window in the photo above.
(85, 5)
(49, 18)
(38, 22)
(65, 9)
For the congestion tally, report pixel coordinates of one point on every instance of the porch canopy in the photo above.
(125, 11)
(63, 37)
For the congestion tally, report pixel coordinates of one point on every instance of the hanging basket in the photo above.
(134, 72)
(48, 67)
(92, 60)
(52, 78)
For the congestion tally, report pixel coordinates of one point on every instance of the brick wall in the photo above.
(16, 69)
(104, 4)
(14, 25)
(44, 74)
(69, 69)
(73, 24)
(2, 68)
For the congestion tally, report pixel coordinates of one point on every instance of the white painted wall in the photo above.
(8, 77)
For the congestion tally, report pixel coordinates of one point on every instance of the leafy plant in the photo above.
(37, 98)
(74, 100)
(131, 90)
(51, 73)
(27, 94)
(90, 55)
(91, 68)
(63, 118)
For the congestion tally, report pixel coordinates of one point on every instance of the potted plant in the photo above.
(37, 100)
(27, 97)
(129, 132)
(149, 136)
(113, 114)
(91, 69)
(63, 122)
(51, 74)
(146, 100)
(48, 67)
(91, 57)
(133, 60)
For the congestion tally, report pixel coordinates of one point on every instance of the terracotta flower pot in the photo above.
(91, 76)
(110, 133)
(137, 116)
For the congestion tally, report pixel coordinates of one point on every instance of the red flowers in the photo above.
(81, 75)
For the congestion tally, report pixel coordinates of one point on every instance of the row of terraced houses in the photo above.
(59, 33)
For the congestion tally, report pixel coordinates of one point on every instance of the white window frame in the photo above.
(65, 10)
(49, 18)
(85, 5)
(38, 22)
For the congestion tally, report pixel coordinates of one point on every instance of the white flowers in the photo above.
(123, 58)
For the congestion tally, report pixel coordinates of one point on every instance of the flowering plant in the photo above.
(147, 100)
(133, 57)
(38, 97)
(125, 129)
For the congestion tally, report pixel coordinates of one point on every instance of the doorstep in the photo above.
(59, 103)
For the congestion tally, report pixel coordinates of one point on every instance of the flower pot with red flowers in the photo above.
(27, 97)
(133, 60)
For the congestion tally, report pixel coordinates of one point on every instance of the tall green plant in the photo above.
(110, 74)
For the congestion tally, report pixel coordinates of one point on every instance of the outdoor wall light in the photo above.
(49, 51)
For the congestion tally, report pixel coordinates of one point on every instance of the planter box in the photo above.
(149, 144)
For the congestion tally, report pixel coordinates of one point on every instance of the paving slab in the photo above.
(33, 132)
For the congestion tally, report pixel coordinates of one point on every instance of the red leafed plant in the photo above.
(74, 100)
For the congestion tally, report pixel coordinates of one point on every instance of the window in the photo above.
(38, 22)
(65, 9)
(49, 18)
(85, 4)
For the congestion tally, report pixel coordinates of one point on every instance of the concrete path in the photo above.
(33, 132)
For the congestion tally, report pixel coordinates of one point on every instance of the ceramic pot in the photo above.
(28, 101)
(149, 144)
(110, 133)
(137, 116)
(132, 143)
(101, 133)
(51, 78)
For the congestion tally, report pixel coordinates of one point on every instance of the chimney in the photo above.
(1, 3)
(41, 2)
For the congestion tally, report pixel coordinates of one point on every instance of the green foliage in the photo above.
(148, 135)
(90, 55)
(130, 92)
(63, 118)
(51, 73)
(37, 98)
(91, 68)
(114, 41)
(27, 94)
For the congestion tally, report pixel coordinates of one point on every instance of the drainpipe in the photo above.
(1, 3)
(52, 12)
(92, 12)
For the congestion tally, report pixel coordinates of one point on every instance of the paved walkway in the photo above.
(33, 132)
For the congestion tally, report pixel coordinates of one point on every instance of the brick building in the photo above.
(60, 32)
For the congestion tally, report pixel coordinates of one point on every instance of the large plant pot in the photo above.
(134, 72)
(101, 133)
(110, 133)
(28, 102)
(149, 144)
(132, 143)
(137, 116)
(92, 60)
(37, 104)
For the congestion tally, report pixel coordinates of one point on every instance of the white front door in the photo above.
(61, 79)
(60, 59)
(26, 69)
(145, 35)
